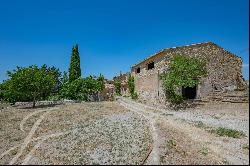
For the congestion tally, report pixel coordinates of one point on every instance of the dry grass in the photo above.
(100, 133)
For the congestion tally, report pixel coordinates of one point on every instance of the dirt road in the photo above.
(190, 126)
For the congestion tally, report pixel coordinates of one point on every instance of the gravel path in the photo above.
(153, 158)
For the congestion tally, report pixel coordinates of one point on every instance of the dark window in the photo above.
(189, 93)
(151, 65)
(138, 70)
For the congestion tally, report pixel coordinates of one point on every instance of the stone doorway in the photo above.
(189, 93)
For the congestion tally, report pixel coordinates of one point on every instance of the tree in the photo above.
(65, 78)
(74, 69)
(57, 75)
(131, 86)
(29, 84)
(183, 71)
(74, 90)
(118, 87)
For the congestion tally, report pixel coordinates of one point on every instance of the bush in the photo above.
(54, 98)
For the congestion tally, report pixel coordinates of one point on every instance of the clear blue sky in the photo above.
(115, 34)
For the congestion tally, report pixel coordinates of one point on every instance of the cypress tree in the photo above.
(74, 69)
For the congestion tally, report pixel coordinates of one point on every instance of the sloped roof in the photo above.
(158, 54)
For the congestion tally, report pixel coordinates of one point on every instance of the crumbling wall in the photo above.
(109, 91)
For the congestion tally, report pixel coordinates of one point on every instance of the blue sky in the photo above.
(115, 34)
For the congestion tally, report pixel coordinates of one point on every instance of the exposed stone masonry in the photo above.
(224, 71)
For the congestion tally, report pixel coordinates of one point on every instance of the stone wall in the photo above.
(224, 71)
(108, 92)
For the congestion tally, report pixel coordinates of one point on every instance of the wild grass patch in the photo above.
(221, 131)
(245, 146)
(204, 151)
(171, 144)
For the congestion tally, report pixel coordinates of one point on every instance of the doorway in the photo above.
(189, 93)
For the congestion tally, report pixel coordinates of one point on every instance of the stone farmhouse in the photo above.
(224, 72)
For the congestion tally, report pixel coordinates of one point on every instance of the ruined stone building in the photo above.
(224, 72)
(109, 90)
(123, 78)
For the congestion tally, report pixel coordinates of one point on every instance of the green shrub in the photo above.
(118, 88)
(134, 96)
(54, 98)
(131, 87)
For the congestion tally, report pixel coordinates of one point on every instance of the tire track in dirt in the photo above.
(28, 139)
(154, 157)
(30, 115)
(8, 151)
(29, 155)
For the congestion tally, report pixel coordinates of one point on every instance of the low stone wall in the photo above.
(43, 103)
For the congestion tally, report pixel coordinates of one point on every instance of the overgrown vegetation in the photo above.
(221, 131)
(184, 72)
(82, 88)
(118, 87)
(131, 87)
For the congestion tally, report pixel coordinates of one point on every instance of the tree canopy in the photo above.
(29, 83)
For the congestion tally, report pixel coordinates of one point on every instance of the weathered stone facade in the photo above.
(109, 90)
(123, 78)
(224, 71)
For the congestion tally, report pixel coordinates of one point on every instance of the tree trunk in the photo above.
(34, 103)
(98, 96)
